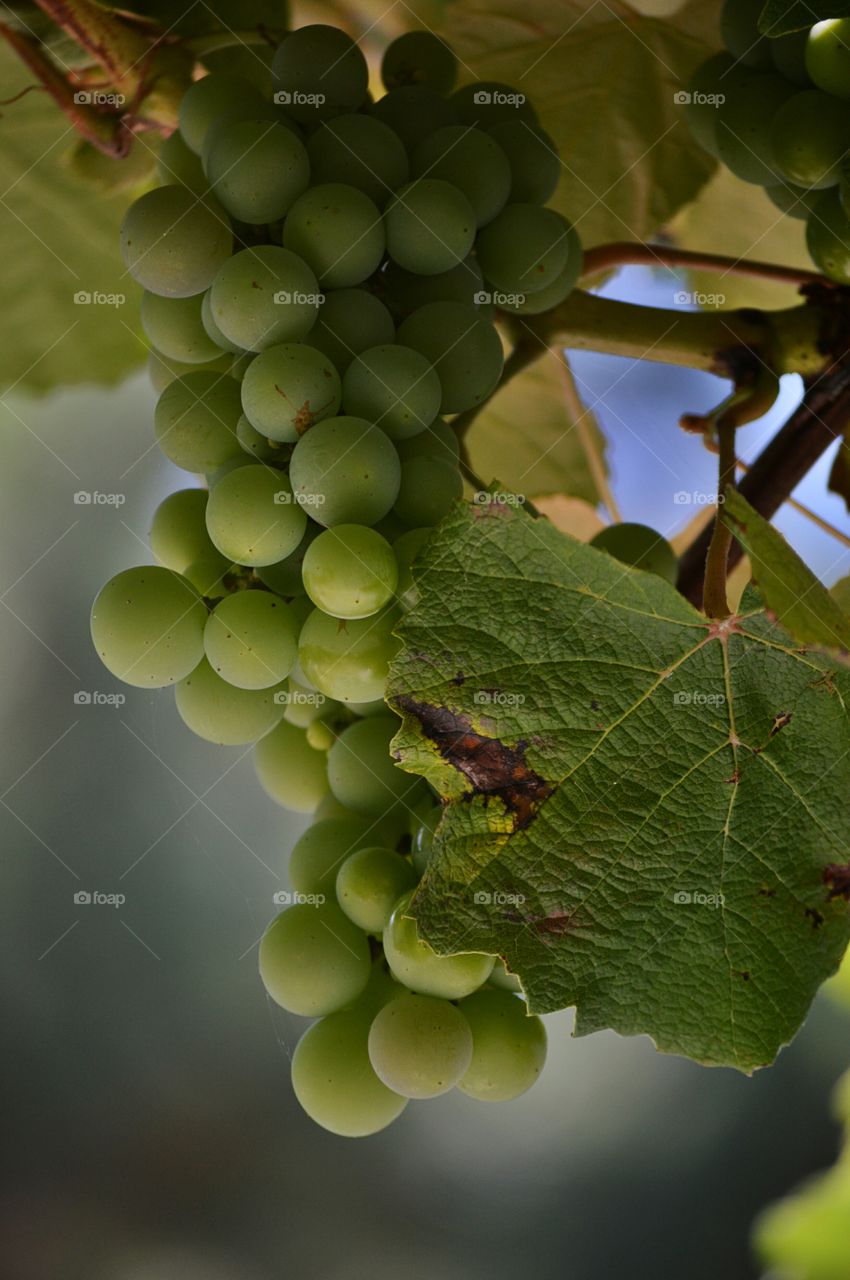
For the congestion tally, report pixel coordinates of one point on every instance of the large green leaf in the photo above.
(603, 78)
(778, 17)
(60, 240)
(648, 811)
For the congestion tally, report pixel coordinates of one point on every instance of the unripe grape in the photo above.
(420, 1047)
(362, 774)
(828, 56)
(251, 640)
(206, 99)
(348, 661)
(147, 625)
(418, 966)
(252, 517)
(419, 57)
(195, 421)
(291, 771)
(313, 960)
(639, 546)
(430, 226)
(338, 231)
(350, 571)
(173, 243)
(175, 327)
(413, 111)
(359, 151)
(508, 1046)
(368, 885)
(318, 71)
(219, 712)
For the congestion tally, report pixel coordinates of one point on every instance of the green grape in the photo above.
(350, 571)
(290, 770)
(423, 840)
(162, 371)
(212, 330)
(707, 89)
(240, 364)
(639, 546)
(319, 853)
(828, 237)
(465, 350)
(350, 321)
(333, 1078)
(304, 705)
(420, 1047)
(419, 57)
(361, 771)
(206, 99)
(209, 575)
(488, 102)
(508, 1046)
(175, 328)
(320, 735)
(360, 152)
(232, 464)
(524, 249)
(406, 292)
(251, 640)
(533, 161)
(471, 161)
(563, 284)
(368, 885)
(284, 576)
(428, 490)
(256, 444)
(252, 516)
(346, 470)
(264, 295)
(313, 960)
(828, 56)
(179, 531)
(794, 201)
(744, 124)
(810, 136)
(147, 625)
(265, 111)
(501, 978)
(437, 441)
(177, 163)
(430, 226)
(338, 231)
(173, 243)
(318, 71)
(348, 661)
(414, 963)
(329, 807)
(407, 547)
(257, 169)
(288, 389)
(740, 31)
(394, 387)
(195, 421)
(788, 54)
(251, 61)
(219, 712)
(413, 112)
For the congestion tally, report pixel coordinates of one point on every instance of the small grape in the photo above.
(147, 625)
(288, 389)
(394, 387)
(209, 575)
(488, 102)
(533, 160)
(464, 349)
(360, 152)
(264, 295)
(508, 1046)
(205, 100)
(313, 960)
(419, 57)
(219, 712)
(324, 847)
(361, 771)
(437, 441)
(524, 249)
(212, 330)
(429, 489)
(544, 299)
(251, 640)
(338, 231)
(420, 1047)
(430, 226)
(173, 243)
(413, 111)
(195, 421)
(177, 163)
(350, 321)
(471, 161)
(423, 840)
(828, 56)
(175, 328)
(291, 771)
(810, 136)
(406, 292)
(252, 517)
(739, 28)
(828, 237)
(257, 169)
(368, 885)
(348, 661)
(744, 122)
(419, 967)
(318, 71)
(162, 371)
(178, 530)
(320, 735)
(346, 470)
(639, 546)
(284, 576)
(350, 571)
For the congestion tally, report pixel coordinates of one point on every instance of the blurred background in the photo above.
(150, 1129)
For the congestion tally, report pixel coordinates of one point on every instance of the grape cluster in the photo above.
(323, 273)
(775, 111)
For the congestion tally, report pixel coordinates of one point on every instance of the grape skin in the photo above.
(419, 57)
(350, 571)
(313, 960)
(419, 967)
(348, 662)
(251, 640)
(173, 243)
(338, 231)
(252, 517)
(430, 226)
(218, 712)
(178, 531)
(290, 771)
(205, 100)
(175, 327)
(394, 387)
(346, 471)
(359, 151)
(321, 60)
(368, 885)
(263, 296)
(147, 625)
(419, 1046)
(361, 772)
(350, 321)
(464, 349)
(195, 421)
(324, 847)
(289, 388)
(470, 160)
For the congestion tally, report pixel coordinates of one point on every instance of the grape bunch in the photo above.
(776, 112)
(323, 273)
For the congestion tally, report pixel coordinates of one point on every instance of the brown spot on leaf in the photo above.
(745, 974)
(780, 720)
(556, 924)
(837, 877)
(765, 892)
(459, 678)
(491, 766)
(815, 916)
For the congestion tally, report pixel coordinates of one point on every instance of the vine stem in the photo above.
(606, 257)
(715, 603)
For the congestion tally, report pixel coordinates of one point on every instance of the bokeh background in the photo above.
(150, 1129)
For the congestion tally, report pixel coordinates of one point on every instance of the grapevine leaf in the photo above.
(646, 810)
(778, 17)
(788, 587)
(60, 240)
(546, 454)
(212, 15)
(603, 79)
(839, 474)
